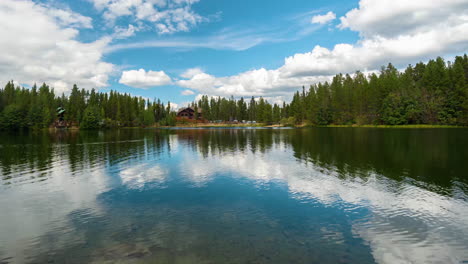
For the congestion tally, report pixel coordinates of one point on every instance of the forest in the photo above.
(36, 108)
(434, 93)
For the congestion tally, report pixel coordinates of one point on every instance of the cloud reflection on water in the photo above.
(404, 223)
(394, 206)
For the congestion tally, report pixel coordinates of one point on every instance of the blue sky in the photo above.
(245, 19)
(177, 50)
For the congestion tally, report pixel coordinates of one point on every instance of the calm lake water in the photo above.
(325, 195)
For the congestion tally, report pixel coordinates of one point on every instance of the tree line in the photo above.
(36, 108)
(433, 93)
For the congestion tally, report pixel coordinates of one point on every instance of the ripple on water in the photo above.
(225, 196)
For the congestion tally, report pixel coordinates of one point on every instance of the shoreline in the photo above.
(393, 126)
(258, 125)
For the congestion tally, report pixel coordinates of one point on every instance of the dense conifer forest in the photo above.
(36, 108)
(435, 93)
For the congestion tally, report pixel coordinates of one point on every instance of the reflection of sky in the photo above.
(408, 224)
(404, 223)
(30, 210)
(136, 176)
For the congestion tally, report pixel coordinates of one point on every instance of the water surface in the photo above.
(325, 195)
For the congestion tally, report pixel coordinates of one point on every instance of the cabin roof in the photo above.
(189, 109)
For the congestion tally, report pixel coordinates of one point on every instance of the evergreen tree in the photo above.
(432, 93)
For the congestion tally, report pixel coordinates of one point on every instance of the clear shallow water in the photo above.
(235, 196)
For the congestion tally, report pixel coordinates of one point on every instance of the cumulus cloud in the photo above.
(261, 82)
(391, 18)
(46, 49)
(144, 79)
(167, 17)
(425, 34)
(323, 19)
(392, 31)
(188, 92)
(191, 72)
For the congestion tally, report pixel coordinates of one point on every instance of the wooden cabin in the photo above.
(189, 113)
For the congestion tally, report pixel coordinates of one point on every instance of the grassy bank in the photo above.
(212, 125)
(208, 125)
(397, 126)
(220, 125)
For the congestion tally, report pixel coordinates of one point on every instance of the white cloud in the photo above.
(199, 82)
(191, 72)
(167, 17)
(391, 18)
(121, 32)
(384, 42)
(259, 82)
(408, 44)
(429, 29)
(36, 47)
(174, 106)
(323, 19)
(227, 38)
(212, 42)
(142, 79)
(188, 92)
(68, 18)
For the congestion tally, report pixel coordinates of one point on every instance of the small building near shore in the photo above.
(189, 113)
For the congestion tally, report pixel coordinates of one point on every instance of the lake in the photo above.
(319, 195)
